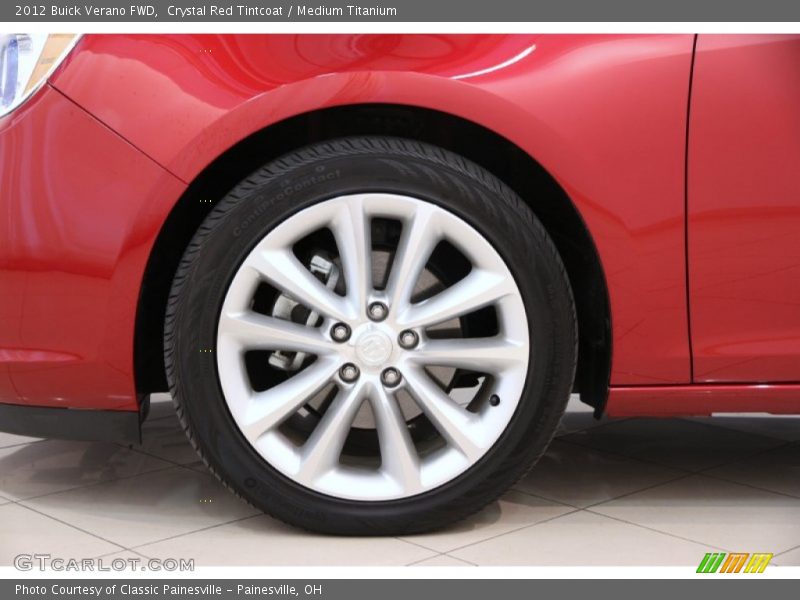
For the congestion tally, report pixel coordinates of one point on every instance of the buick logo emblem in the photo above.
(374, 348)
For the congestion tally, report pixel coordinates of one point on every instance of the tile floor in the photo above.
(624, 492)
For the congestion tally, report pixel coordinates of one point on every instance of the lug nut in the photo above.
(349, 373)
(408, 339)
(390, 377)
(377, 311)
(340, 332)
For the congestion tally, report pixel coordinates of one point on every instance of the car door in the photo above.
(743, 209)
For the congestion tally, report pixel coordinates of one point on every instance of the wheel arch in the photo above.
(508, 161)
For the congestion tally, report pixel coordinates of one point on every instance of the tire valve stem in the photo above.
(494, 400)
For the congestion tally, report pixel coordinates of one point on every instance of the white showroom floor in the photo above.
(619, 492)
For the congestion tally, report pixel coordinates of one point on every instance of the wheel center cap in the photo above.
(374, 348)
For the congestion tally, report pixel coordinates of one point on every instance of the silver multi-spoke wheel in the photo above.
(359, 347)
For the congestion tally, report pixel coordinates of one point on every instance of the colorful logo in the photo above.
(735, 562)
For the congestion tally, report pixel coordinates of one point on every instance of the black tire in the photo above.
(308, 176)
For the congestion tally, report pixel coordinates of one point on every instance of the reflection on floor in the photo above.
(613, 492)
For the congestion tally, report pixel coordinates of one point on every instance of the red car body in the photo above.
(677, 153)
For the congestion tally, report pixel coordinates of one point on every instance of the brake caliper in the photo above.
(289, 310)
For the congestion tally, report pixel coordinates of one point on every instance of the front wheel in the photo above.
(370, 336)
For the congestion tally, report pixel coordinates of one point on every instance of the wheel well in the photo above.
(498, 155)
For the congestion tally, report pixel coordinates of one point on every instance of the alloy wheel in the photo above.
(368, 345)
